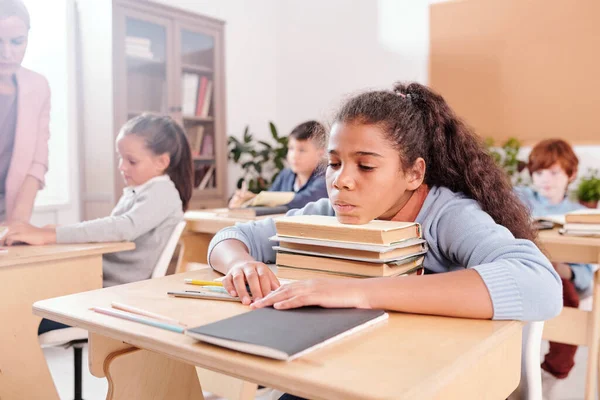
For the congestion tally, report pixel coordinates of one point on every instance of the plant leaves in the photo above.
(273, 130)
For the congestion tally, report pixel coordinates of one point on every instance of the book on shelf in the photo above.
(206, 99)
(326, 227)
(345, 266)
(374, 254)
(207, 149)
(196, 133)
(201, 95)
(139, 47)
(206, 178)
(586, 216)
(299, 274)
(252, 212)
(270, 199)
(189, 87)
(282, 334)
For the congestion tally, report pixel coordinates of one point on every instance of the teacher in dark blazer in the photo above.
(24, 118)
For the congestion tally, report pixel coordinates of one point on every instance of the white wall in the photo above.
(335, 48)
(51, 53)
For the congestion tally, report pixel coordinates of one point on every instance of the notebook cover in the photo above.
(289, 331)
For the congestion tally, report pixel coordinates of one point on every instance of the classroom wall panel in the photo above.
(525, 69)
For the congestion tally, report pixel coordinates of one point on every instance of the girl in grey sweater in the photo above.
(156, 163)
(404, 155)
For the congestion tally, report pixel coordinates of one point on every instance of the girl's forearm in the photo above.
(454, 294)
(227, 253)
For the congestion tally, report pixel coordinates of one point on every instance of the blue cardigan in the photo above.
(313, 190)
(539, 206)
(520, 280)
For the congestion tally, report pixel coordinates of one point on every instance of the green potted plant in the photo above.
(588, 190)
(506, 158)
(261, 161)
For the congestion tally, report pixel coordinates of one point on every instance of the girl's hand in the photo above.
(329, 293)
(26, 233)
(257, 275)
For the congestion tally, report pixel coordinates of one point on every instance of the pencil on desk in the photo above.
(202, 283)
(136, 318)
(197, 282)
(134, 310)
(217, 289)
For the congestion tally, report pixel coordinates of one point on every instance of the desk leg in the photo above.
(226, 386)
(141, 374)
(24, 372)
(99, 348)
(194, 248)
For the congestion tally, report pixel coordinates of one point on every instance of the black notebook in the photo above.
(286, 334)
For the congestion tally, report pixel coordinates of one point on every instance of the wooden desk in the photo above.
(29, 274)
(575, 326)
(408, 357)
(200, 229)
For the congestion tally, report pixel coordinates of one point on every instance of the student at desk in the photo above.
(402, 154)
(303, 176)
(553, 166)
(156, 163)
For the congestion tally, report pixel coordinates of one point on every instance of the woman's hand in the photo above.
(260, 279)
(239, 198)
(329, 293)
(26, 233)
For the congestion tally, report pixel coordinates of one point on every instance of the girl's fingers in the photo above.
(239, 281)
(272, 298)
(253, 282)
(294, 302)
(265, 283)
(228, 285)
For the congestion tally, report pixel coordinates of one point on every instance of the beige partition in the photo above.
(518, 68)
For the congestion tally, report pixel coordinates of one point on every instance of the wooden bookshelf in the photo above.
(164, 60)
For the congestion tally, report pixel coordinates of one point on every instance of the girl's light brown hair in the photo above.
(163, 135)
(553, 151)
(14, 8)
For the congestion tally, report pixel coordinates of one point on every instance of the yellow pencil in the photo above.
(202, 283)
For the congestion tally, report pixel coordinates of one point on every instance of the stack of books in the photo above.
(582, 223)
(316, 246)
(139, 47)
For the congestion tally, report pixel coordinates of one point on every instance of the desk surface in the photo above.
(25, 254)
(552, 236)
(565, 248)
(409, 356)
(210, 221)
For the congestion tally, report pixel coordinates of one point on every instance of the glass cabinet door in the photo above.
(146, 66)
(197, 65)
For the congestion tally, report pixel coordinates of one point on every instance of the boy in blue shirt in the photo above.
(303, 176)
(553, 166)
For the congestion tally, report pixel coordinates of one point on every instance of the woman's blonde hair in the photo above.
(14, 8)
